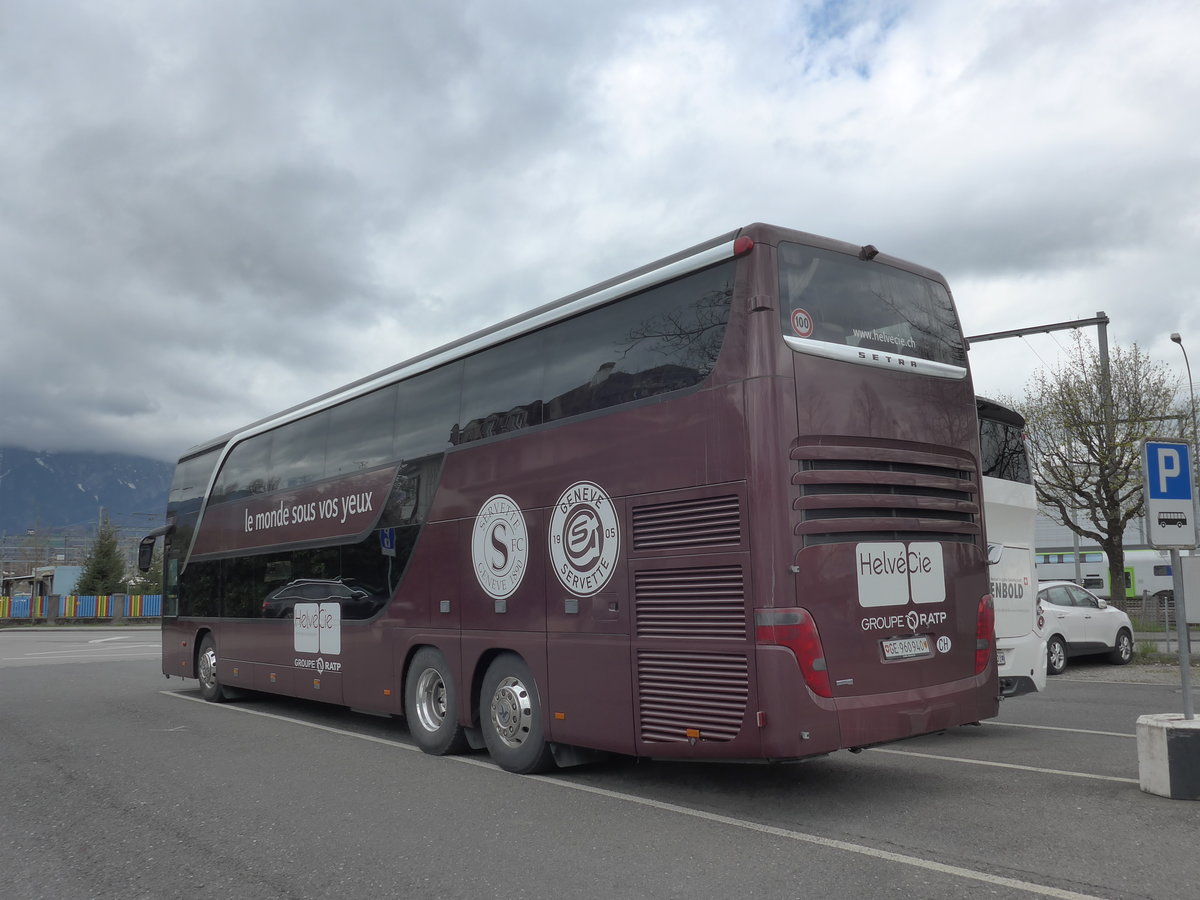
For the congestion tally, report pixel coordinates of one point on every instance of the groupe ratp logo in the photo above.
(913, 621)
(320, 664)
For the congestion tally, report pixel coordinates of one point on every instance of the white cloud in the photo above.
(215, 210)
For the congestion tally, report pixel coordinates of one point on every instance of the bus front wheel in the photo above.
(511, 714)
(431, 704)
(211, 688)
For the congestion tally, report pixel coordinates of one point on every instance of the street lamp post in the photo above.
(1181, 621)
(1192, 394)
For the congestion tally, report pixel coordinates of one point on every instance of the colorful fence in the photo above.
(116, 606)
(14, 607)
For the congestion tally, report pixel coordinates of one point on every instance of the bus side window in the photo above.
(361, 432)
(427, 409)
(502, 388)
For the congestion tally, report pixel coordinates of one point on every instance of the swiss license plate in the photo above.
(906, 648)
(999, 657)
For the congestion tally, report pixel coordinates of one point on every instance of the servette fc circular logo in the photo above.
(585, 538)
(499, 546)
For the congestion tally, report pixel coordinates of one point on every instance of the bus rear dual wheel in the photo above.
(509, 710)
(510, 714)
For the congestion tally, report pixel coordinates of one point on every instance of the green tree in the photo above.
(150, 581)
(1087, 453)
(104, 569)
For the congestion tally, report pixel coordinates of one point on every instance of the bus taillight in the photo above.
(743, 245)
(796, 630)
(985, 633)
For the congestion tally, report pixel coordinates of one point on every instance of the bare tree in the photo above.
(1087, 454)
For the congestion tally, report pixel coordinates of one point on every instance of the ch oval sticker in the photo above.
(585, 538)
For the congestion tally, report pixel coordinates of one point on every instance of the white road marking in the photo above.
(86, 651)
(1001, 765)
(123, 652)
(1120, 734)
(832, 843)
(1064, 679)
(785, 833)
(106, 640)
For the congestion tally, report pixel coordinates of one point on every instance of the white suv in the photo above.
(1078, 623)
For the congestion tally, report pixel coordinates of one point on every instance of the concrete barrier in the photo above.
(1169, 756)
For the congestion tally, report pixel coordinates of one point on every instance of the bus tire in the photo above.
(1056, 656)
(211, 688)
(510, 712)
(1122, 653)
(431, 704)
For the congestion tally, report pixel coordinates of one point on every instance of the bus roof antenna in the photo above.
(868, 251)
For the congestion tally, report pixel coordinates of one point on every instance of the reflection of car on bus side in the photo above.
(1079, 623)
(356, 601)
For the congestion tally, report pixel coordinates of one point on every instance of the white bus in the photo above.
(1010, 508)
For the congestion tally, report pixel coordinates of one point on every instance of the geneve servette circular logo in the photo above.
(585, 538)
(499, 546)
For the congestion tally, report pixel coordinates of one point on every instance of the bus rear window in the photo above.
(836, 301)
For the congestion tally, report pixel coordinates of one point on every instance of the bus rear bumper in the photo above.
(799, 724)
(1024, 668)
(883, 718)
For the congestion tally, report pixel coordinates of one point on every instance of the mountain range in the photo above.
(49, 491)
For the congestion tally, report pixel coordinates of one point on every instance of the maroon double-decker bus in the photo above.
(726, 505)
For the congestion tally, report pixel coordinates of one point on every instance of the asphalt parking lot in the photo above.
(120, 783)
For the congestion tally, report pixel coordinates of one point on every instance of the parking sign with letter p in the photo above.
(1170, 509)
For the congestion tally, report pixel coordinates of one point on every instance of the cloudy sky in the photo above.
(213, 210)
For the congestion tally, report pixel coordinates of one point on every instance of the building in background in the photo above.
(1062, 554)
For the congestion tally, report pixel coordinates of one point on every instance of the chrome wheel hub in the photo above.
(512, 712)
(208, 668)
(431, 700)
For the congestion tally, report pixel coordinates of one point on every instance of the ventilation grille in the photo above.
(691, 696)
(690, 603)
(706, 522)
(884, 493)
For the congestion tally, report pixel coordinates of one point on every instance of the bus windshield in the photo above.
(831, 301)
(1002, 452)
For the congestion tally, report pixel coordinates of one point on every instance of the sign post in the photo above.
(1171, 525)
(1169, 744)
